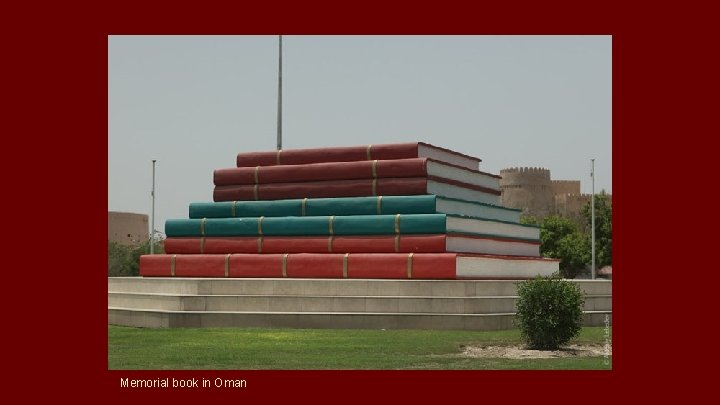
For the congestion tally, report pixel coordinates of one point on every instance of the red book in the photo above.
(348, 265)
(438, 243)
(359, 188)
(418, 167)
(307, 244)
(356, 153)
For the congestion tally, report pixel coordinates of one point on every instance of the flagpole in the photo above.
(592, 221)
(279, 110)
(152, 221)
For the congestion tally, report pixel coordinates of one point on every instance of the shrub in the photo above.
(549, 312)
(124, 261)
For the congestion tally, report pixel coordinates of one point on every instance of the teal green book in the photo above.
(382, 205)
(387, 205)
(309, 225)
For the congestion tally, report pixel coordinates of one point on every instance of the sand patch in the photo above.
(520, 352)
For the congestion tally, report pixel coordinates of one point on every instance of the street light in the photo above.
(592, 219)
(152, 220)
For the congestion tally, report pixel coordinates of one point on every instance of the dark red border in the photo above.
(56, 78)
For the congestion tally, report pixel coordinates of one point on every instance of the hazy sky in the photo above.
(194, 102)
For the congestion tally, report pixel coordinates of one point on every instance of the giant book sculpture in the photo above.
(403, 211)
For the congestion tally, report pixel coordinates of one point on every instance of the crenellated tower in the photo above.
(532, 190)
(529, 189)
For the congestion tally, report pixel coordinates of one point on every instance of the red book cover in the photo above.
(355, 153)
(307, 244)
(357, 188)
(417, 167)
(321, 171)
(303, 265)
(322, 189)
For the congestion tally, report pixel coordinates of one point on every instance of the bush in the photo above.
(119, 258)
(549, 312)
(124, 261)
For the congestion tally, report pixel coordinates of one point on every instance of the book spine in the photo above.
(322, 189)
(305, 265)
(321, 155)
(380, 205)
(307, 244)
(321, 172)
(309, 226)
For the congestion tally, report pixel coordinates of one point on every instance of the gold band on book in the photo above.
(233, 208)
(284, 264)
(374, 169)
(256, 192)
(202, 226)
(257, 168)
(303, 206)
(374, 186)
(409, 269)
(260, 242)
(397, 243)
(277, 157)
(397, 223)
(330, 242)
(330, 224)
(202, 244)
(227, 265)
(369, 155)
(379, 205)
(172, 265)
(260, 221)
(345, 265)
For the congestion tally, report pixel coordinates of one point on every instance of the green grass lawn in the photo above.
(305, 349)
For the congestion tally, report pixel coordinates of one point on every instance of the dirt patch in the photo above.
(519, 352)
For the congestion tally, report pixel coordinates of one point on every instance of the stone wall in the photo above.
(532, 190)
(566, 187)
(127, 228)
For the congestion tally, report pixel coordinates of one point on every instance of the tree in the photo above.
(560, 239)
(573, 250)
(552, 230)
(603, 228)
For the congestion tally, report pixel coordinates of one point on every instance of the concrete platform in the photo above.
(323, 303)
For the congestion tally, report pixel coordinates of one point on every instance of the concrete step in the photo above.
(300, 303)
(328, 303)
(334, 287)
(323, 320)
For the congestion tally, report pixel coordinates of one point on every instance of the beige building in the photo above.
(532, 190)
(127, 228)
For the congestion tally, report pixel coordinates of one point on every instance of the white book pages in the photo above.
(501, 268)
(487, 227)
(491, 246)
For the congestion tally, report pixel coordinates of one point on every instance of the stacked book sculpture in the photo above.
(399, 211)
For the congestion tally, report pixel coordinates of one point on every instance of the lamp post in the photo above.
(152, 215)
(279, 110)
(592, 219)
